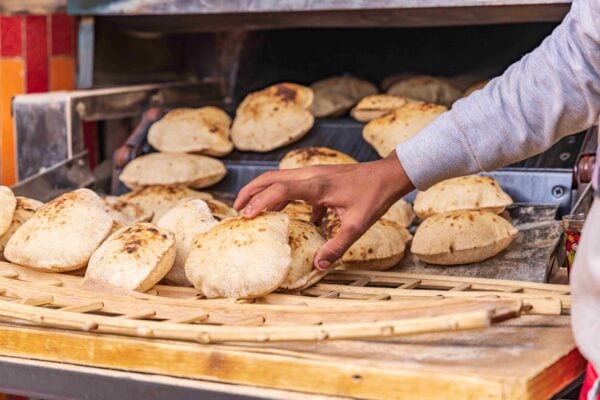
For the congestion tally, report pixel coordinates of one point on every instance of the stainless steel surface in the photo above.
(49, 125)
(85, 53)
(65, 176)
(202, 15)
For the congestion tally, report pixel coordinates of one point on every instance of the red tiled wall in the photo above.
(37, 54)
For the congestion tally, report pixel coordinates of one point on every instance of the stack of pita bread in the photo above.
(272, 117)
(204, 131)
(336, 95)
(14, 212)
(386, 132)
(461, 223)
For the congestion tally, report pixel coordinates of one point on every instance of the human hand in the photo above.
(358, 193)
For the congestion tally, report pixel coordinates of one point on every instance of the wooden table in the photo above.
(532, 357)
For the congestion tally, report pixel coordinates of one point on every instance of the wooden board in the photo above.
(527, 358)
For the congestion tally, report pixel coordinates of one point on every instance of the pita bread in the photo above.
(272, 118)
(158, 199)
(185, 221)
(135, 257)
(126, 213)
(389, 81)
(241, 258)
(203, 130)
(191, 170)
(298, 209)
(381, 247)
(62, 235)
(24, 211)
(376, 106)
(476, 86)
(308, 156)
(385, 133)
(336, 95)
(8, 203)
(401, 213)
(305, 240)
(462, 237)
(427, 88)
(472, 192)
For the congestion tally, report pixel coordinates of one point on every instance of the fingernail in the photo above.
(248, 210)
(324, 265)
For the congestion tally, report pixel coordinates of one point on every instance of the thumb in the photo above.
(335, 247)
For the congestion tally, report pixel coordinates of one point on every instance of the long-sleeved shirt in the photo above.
(552, 92)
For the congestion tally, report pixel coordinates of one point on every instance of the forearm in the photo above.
(552, 92)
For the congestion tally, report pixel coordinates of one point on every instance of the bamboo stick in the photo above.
(83, 308)
(212, 334)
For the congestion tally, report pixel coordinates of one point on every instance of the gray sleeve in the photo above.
(550, 93)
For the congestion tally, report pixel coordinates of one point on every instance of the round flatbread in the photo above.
(376, 106)
(191, 170)
(305, 240)
(125, 212)
(185, 221)
(472, 192)
(159, 199)
(462, 237)
(62, 234)
(241, 258)
(135, 257)
(203, 130)
(381, 247)
(336, 95)
(431, 89)
(272, 118)
(8, 203)
(308, 156)
(298, 209)
(385, 133)
(401, 213)
(25, 209)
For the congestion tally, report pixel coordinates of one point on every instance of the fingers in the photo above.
(267, 179)
(335, 247)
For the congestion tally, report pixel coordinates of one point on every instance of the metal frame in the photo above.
(49, 125)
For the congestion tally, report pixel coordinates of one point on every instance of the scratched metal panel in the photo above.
(42, 138)
(137, 7)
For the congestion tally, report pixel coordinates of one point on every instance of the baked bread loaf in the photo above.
(191, 170)
(431, 89)
(462, 237)
(308, 156)
(25, 209)
(203, 130)
(472, 192)
(381, 247)
(376, 106)
(475, 86)
(8, 203)
(272, 117)
(241, 258)
(62, 234)
(305, 240)
(386, 132)
(336, 95)
(401, 213)
(125, 212)
(135, 257)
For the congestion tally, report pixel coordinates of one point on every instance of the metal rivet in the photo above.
(564, 156)
(558, 191)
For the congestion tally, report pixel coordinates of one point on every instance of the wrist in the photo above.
(393, 178)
